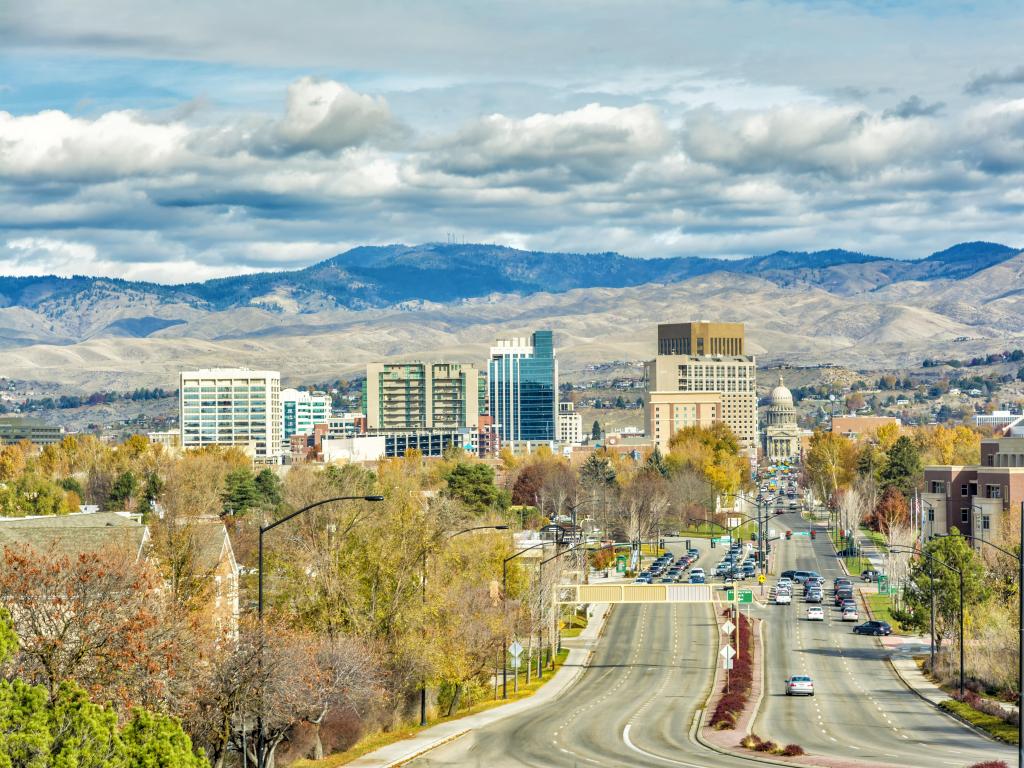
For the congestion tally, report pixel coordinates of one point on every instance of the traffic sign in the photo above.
(727, 664)
(620, 564)
(761, 579)
(883, 584)
(728, 627)
(516, 662)
(727, 652)
(515, 649)
(746, 596)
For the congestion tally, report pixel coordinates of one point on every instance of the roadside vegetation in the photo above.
(738, 682)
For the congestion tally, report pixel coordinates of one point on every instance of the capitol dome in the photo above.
(781, 394)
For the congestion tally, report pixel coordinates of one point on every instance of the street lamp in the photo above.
(1020, 620)
(504, 590)
(264, 529)
(423, 584)
(960, 574)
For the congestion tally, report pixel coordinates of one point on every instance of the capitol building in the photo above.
(781, 433)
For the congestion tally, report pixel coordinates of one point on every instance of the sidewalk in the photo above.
(580, 649)
(901, 657)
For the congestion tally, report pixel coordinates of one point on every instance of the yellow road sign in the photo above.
(760, 579)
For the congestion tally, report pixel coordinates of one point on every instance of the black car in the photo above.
(849, 552)
(788, 574)
(873, 628)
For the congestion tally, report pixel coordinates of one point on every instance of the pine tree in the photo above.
(595, 431)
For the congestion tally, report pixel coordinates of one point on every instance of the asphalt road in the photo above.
(635, 704)
(860, 708)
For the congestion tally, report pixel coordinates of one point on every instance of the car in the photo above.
(800, 576)
(693, 551)
(815, 613)
(813, 597)
(644, 580)
(849, 552)
(698, 570)
(782, 597)
(850, 614)
(697, 578)
(869, 574)
(788, 574)
(873, 628)
(842, 597)
(840, 581)
(667, 580)
(800, 685)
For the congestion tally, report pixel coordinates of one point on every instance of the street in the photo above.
(653, 669)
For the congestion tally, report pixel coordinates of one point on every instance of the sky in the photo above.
(187, 140)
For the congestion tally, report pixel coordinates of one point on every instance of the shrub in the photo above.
(741, 678)
(751, 741)
(766, 746)
(793, 750)
(991, 764)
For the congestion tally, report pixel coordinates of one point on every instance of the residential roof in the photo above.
(76, 540)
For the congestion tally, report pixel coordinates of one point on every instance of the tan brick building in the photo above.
(668, 412)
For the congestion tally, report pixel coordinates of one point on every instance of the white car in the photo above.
(850, 614)
(783, 598)
(815, 613)
(800, 685)
(697, 572)
(785, 581)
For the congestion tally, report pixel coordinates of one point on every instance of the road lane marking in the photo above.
(629, 743)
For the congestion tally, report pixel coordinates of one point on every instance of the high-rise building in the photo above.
(523, 387)
(570, 424)
(702, 338)
(232, 406)
(303, 410)
(411, 396)
(732, 375)
(669, 412)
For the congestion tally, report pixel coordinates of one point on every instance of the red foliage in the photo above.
(793, 750)
(740, 678)
(991, 764)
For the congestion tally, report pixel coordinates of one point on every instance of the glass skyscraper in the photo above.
(523, 387)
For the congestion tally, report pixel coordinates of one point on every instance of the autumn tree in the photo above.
(903, 468)
(829, 463)
(890, 512)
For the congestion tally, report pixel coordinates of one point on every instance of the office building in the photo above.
(412, 396)
(302, 410)
(669, 412)
(701, 338)
(854, 427)
(232, 406)
(570, 424)
(522, 377)
(15, 429)
(732, 375)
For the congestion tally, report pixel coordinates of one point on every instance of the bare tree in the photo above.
(852, 509)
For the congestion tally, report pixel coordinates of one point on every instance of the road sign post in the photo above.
(620, 564)
(883, 584)
(515, 650)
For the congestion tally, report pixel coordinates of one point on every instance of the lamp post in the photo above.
(504, 590)
(264, 529)
(423, 587)
(1020, 620)
(960, 574)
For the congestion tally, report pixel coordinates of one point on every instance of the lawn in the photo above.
(573, 625)
(377, 740)
(880, 607)
(988, 723)
(856, 564)
(878, 539)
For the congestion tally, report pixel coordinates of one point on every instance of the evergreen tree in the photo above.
(153, 740)
(240, 492)
(903, 466)
(123, 490)
(473, 484)
(269, 486)
(597, 470)
(595, 430)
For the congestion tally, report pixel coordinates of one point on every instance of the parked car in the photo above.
(815, 613)
(800, 685)
(873, 628)
(869, 574)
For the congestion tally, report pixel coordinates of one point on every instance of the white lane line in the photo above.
(645, 753)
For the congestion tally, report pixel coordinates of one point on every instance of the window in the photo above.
(963, 490)
(993, 492)
(965, 514)
(972, 488)
(931, 515)
(984, 522)
(938, 486)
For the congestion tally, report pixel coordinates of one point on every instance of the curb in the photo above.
(951, 715)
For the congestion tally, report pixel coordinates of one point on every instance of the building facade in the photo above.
(853, 427)
(975, 499)
(702, 338)
(417, 395)
(15, 429)
(733, 377)
(570, 424)
(781, 433)
(522, 377)
(303, 410)
(668, 412)
(232, 407)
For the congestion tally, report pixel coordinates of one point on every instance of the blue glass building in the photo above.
(522, 380)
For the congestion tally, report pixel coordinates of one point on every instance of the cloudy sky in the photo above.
(185, 140)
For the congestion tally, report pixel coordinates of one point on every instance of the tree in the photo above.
(829, 463)
(158, 741)
(240, 492)
(472, 483)
(595, 429)
(269, 486)
(597, 471)
(903, 466)
(890, 512)
(123, 491)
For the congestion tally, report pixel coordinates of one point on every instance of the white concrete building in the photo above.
(302, 410)
(570, 425)
(232, 406)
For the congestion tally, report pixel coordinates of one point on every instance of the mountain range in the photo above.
(437, 300)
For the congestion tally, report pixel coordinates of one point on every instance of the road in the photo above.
(635, 705)
(860, 708)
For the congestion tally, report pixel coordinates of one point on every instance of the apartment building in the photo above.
(417, 395)
(234, 407)
(701, 338)
(522, 376)
(975, 499)
(570, 424)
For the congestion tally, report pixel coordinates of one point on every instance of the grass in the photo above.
(573, 625)
(856, 564)
(878, 539)
(375, 741)
(881, 610)
(988, 723)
